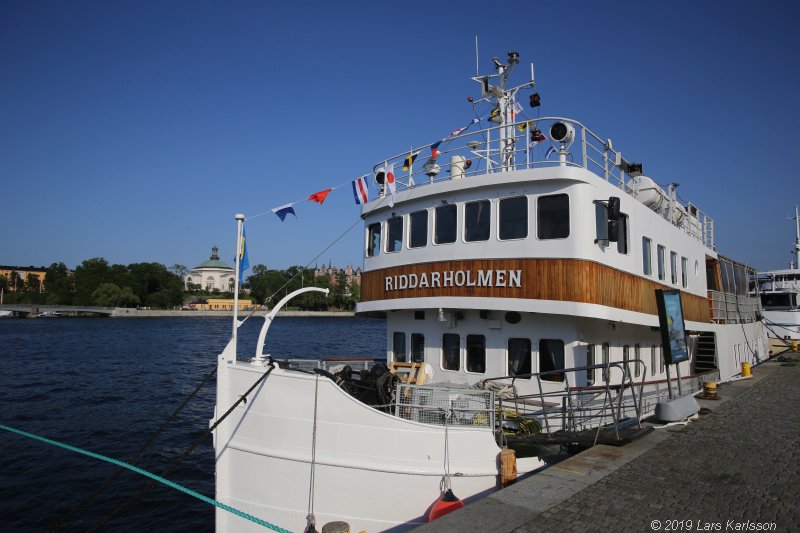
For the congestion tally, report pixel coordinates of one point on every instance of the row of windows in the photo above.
(551, 356)
(632, 369)
(512, 223)
(661, 254)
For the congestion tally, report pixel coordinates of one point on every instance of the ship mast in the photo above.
(505, 102)
(796, 262)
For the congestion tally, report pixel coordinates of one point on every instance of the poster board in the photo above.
(673, 330)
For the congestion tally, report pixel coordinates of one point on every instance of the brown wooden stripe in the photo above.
(570, 280)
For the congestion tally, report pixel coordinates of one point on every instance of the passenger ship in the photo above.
(779, 291)
(516, 270)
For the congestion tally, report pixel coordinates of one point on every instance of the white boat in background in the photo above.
(516, 271)
(779, 291)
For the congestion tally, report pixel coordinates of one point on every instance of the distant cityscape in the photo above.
(209, 285)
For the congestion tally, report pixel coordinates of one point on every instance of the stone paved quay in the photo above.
(739, 463)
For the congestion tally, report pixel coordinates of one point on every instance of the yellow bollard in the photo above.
(745, 370)
(794, 346)
(710, 390)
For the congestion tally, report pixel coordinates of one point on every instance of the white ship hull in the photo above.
(372, 470)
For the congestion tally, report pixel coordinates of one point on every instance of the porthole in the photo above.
(512, 317)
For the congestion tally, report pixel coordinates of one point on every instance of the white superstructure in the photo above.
(779, 291)
(516, 268)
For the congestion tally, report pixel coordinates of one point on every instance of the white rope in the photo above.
(311, 520)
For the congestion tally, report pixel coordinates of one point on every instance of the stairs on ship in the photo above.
(705, 359)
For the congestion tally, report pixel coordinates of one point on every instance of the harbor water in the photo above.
(106, 385)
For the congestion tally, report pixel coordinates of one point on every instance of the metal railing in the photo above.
(510, 147)
(727, 308)
(437, 405)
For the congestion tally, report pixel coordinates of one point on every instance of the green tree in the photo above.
(106, 295)
(58, 282)
(89, 275)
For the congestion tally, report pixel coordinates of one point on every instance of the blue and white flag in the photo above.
(244, 260)
(284, 210)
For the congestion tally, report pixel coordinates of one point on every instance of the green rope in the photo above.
(152, 476)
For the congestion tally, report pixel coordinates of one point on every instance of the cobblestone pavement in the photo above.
(737, 464)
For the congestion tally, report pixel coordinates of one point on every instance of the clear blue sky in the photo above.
(135, 131)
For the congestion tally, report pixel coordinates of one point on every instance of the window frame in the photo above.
(389, 222)
(525, 225)
(508, 356)
(591, 350)
(444, 356)
(661, 262)
(622, 238)
(684, 272)
(411, 227)
(539, 215)
(373, 249)
(401, 334)
(436, 218)
(412, 353)
(469, 347)
(553, 377)
(637, 355)
(673, 266)
(647, 256)
(467, 206)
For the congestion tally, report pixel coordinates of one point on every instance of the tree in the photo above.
(89, 275)
(106, 295)
(179, 270)
(58, 281)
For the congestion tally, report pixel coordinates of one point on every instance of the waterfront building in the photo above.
(223, 304)
(211, 275)
(353, 276)
(17, 277)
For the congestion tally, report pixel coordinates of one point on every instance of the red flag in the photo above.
(320, 196)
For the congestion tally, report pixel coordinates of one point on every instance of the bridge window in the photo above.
(445, 224)
(553, 216)
(417, 347)
(653, 361)
(684, 272)
(399, 347)
(451, 351)
(394, 234)
(661, 253)
(373, 239)
(513, 218)
(673, 267)
(476, 353)
(418, 229)
(551, 359)
(519, 357)
(477, 220)
(647, 256)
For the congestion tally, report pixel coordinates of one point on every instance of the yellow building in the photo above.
(224, 304)
(23, 277)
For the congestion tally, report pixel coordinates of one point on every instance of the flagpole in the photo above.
(239, 226)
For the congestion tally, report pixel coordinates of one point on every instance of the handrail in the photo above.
(486, 146)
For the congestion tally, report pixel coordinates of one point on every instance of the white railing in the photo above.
(728, 308)
(506, 148)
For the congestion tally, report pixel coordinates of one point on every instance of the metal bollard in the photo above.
(336, 527)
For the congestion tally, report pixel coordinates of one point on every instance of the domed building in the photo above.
(211, 275)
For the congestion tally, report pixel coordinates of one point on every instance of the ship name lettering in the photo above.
(454, 278)
(447, 278)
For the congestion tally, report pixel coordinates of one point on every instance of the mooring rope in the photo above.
(144, 490)
(154, 477)
(61, 522)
